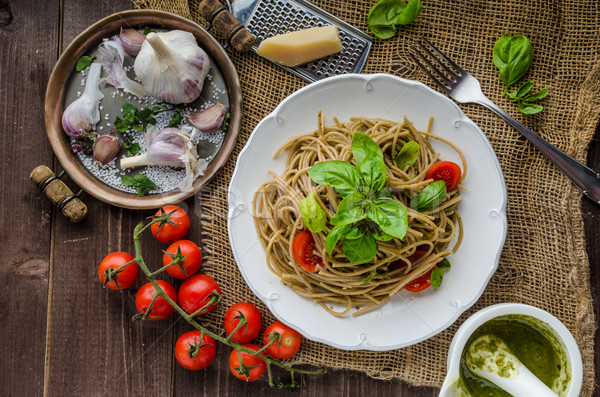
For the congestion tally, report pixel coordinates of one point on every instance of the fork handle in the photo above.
(582, 176)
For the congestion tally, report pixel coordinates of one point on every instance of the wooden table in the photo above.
(61, 333)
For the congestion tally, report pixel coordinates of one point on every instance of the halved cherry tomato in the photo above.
(446, 171)
(422, 282)
(195, 351)
(248, 331)
(195, 291)
(289, 344)
(255, 367)
(186, 267)
(119, 279)
(303, 249)
(160, 308)
(166, 232)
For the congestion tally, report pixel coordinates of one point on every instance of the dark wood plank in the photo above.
(591, 220)
(28, 37)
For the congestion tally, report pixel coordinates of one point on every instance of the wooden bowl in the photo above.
(89, 39)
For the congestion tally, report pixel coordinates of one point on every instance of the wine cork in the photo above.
(218, 15)
(58, 193)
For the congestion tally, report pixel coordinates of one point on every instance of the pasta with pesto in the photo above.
(336, 283)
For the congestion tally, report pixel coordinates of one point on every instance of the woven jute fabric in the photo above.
(544, 262)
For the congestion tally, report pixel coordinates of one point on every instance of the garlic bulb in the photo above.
(209, 119)
(172, 67)
(83, 113)
(172, 147)
(131, 40)
(111, 56)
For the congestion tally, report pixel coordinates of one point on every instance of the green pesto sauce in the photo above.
(527, 341)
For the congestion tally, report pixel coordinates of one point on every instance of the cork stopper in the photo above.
(58, 193)
(217, 14)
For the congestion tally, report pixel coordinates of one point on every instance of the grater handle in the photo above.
(218, 15)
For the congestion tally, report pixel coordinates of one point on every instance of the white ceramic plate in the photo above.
(407, 318)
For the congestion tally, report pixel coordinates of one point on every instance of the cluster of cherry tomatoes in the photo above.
(197, 295)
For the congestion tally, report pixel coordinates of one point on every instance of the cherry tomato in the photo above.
(195, 351)
(167, 233)
(303, 249)
(194, 293)
(251, 329)
(289, 344)
(255, 366)
(420, 283)
(161, 308)
(118, 279)
(446, 171)
(187, 267)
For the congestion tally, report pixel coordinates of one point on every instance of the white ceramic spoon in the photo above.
(490, 358)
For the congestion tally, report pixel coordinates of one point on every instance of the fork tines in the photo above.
(451, 71)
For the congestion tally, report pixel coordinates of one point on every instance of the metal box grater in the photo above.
(266, 18)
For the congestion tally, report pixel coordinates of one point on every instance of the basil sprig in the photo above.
(386, 14)
(512, 56)
(367, 212)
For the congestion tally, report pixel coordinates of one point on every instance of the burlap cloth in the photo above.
(544, 262)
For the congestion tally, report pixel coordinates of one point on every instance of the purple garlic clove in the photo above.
(131, 40)
(82, 114)
(106, 149)
(209, 119)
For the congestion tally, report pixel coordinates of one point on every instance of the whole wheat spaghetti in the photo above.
(339, 285)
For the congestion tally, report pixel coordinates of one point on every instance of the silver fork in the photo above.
(464, 88)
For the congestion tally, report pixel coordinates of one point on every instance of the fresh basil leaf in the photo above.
(383, 31)
(444, 264)
(391, 216)
(175, 120)
(379, 235)
(512, 56)
(147, 30)
(408, 155)
(341, 175)
(354, 231)
(133, 149)
(351, 209)
(156, 108)
(524, 88)
(334, 236)
(369, 159)
(360, 250)
(314, 217)
(541, 94)
(430, 197)
(410, 13)
(436, 277)
(84, 62)
(127, 180)
(143, 184)
(385, 12)
(530, 108)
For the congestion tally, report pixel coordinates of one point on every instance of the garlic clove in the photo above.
(172, 67)
(209, 119)
(164, 147)
(106, 149)
(131, 40)
(82, 114)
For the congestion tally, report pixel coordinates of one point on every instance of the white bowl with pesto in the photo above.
(507, 317)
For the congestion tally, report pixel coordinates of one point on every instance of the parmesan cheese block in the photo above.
(302, 46)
